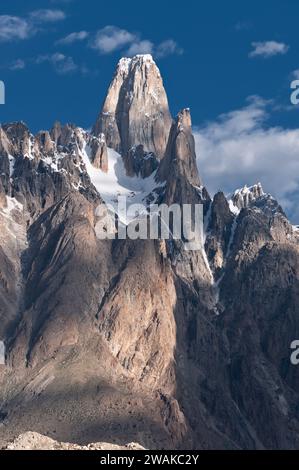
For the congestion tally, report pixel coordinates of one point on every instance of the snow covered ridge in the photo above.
(75, 155)
(246, 195)
(255, 198)
(255, 189)
(125, 62)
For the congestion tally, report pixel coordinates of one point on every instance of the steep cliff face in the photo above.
(145, 341)
(13, 241)
(179, 166)
(135, 117)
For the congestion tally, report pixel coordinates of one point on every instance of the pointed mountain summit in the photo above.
(178, 168)
(180, 153)
(135, 117)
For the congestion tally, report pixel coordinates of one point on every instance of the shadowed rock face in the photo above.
(219, 229)
(99, 153)
(120, 340)
(135, 112)
(179, 166)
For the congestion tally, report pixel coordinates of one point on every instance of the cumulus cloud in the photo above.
(14, 28)
(168, 47)
(112, 38)
(47, 16)
(140, 47)
(239, 148)
(268, 49)
(164, 49)
(73, 37)
(62, 64)
(17, 28)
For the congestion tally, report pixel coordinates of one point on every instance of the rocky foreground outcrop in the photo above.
(35, 441)
(141, 340)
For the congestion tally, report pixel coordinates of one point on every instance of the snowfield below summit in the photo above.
(116, 183)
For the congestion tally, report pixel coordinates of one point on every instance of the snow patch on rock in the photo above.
(116, 183)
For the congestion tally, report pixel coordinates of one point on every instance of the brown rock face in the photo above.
(219, 230)
(2, 196)
(141, 349)
(5, 147)
(135, 111)
(19, 137)
(12, 244)
(99, 153)
(179, 167)
(44, 143)
(62, 135)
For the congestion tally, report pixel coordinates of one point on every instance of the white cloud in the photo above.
(62, 64)
(47, 16)
(140, 47)
(73, 37)
(168, 47)
(112, 38)
(268, 49)
(240, 149)
(14, 28)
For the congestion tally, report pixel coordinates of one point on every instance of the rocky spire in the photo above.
(4, 143)
(180, 153)
(179, 168)
(135, 112)
(245, 196)
(18, 135)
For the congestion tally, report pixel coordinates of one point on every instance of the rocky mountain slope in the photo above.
(141, 340)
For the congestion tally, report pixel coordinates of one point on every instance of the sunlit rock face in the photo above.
(135, 116)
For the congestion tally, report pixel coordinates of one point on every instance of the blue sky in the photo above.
(58, 57)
